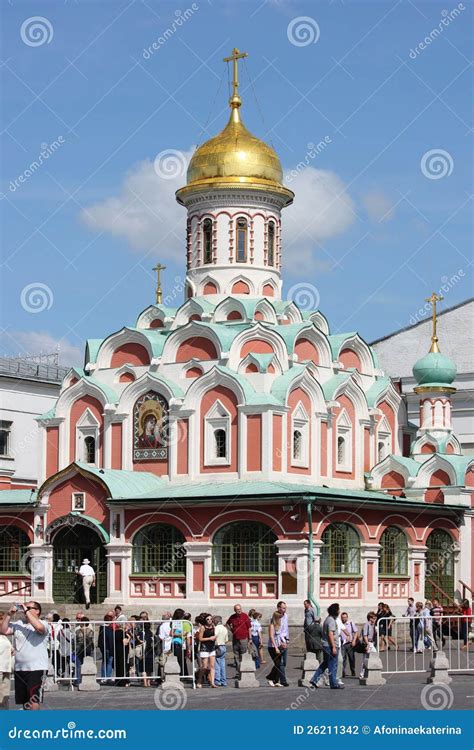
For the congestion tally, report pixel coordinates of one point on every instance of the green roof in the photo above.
(123, 484)
(263, 360)
(251, 395)
(103, 532)
(156, 336)
(50, 414)
(337, 340)
(18, 497)
(459, 463)
(376, 389)
(330, 386)
(92, 349)
(282, 383)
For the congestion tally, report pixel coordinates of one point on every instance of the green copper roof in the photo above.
(434, 369)
(18, 497)
(250, 394)
(337, 340)
(376, 389)
(104, 534)
(156, 336)
(50, 414)
(330, 386)
(123, 484)
(460, 465)
(225, 333)
(263, 360)
(92, 350)
(203, 302)
(282, 383)
(176, 389)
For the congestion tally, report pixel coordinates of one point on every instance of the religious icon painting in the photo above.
(150, 428)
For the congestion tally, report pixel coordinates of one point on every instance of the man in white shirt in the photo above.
(30, 639)
(165, 635)
(88, 580)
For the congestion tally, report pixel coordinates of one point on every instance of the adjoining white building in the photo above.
(400, 349)
(27, 389)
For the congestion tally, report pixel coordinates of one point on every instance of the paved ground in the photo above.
(401, 691)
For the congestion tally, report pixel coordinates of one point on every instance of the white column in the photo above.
(118, 554)
(41, 572)
(293, 559)
(317, 547)
(369, 554)
(417, 570)
(198, 560)
(463, 569)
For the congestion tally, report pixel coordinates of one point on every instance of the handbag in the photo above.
(220, 651)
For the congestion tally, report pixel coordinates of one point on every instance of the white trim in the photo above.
(344, 431)
(77, 495)
(217, 418)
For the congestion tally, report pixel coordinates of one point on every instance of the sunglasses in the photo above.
(28, 608)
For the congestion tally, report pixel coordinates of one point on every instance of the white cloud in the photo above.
(32, 343)
(378, 206)
(146, 215)
(321, 209)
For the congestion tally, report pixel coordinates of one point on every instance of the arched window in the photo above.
(241, 240)
(244, 547)
(220, 437)
(271, 243)
(439, 574)
(344, 442)
(297, 444)
(340, 553)
(393, 553)
(207, 240)
(14, 545)
(381, 451)
(158, 549)
(89, 449)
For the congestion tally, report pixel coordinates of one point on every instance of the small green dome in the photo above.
(434, 369)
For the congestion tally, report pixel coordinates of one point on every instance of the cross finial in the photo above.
(159, 292)
(434, 338)
(235, 100)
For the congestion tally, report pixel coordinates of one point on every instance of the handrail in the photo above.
(441, 591)
(464, 587)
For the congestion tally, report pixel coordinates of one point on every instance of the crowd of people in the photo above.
(131, 647)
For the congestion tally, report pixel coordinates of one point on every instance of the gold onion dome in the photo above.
(235, 158)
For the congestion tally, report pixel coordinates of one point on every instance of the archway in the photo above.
(71, 544)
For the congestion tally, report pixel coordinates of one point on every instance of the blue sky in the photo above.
(378, 222)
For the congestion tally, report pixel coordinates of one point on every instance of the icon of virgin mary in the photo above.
(150, 419)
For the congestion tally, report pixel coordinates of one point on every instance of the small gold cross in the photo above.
(235, 56)
(434, 338)
(159, 292)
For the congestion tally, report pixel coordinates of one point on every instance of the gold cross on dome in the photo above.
(235, 57)
(159, 292)
(434, 338)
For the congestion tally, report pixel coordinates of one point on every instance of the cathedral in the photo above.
(233, 449)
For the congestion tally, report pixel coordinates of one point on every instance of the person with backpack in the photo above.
(313, 634)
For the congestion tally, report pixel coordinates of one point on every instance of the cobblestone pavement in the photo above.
(401, 691)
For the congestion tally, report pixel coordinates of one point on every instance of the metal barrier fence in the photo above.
(407, 644)
(124, 653)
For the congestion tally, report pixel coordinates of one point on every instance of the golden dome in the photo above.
(235, 158)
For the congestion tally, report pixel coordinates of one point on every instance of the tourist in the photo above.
(349, 635)
(410, 612)
(381, 623)
(54, 626)
(83, 645)
(79, 616)
(87, 573)
(121, 649)
(240, 626)
(277, 676)
(390, 618)
(144, 648)
(6, 652)
(369, 641)
(179, 634)
(222, 639)
(437, 615)
(427, 625)
(120, 616)
(207, 651)
(330, 651)
(309, 613)
(65, 648)
(284, 638)
(256, 635)
(105, 644)
(313, 639)
(30, 641)
(165, 637)
(466, 612)
(418, 620)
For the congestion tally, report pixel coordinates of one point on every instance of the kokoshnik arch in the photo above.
(233, 448)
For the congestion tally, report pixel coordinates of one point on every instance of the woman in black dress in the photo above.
(121, 644)
(207, 651)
